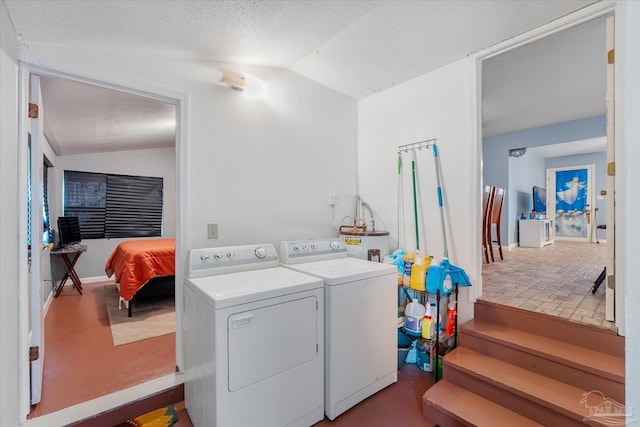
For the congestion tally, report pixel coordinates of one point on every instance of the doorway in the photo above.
(178, 102)
(501, 174)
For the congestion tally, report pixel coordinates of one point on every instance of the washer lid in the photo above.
(343, 270)
(243, 287)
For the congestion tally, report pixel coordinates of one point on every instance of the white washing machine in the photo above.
(254, 340)
(360, 319)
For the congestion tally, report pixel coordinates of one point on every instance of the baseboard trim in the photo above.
(94, 279)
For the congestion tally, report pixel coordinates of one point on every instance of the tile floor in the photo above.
(556, 279)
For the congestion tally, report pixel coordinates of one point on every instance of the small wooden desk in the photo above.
(68, 257)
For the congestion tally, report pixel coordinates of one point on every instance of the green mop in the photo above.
(442, 278)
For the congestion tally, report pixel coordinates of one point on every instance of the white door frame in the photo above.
(36, 304)
(578, 17)
(181, 102)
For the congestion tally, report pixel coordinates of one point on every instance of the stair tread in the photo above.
(471, 408)
(538, 388)
(555, 327)
(593, 361)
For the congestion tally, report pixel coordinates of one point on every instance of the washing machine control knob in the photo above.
(334, 244)
(217, 257)
(296, 248)
(231, 255)
(204, 257)
(313, 246)
(261, 252)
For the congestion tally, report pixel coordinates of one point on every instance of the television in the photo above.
(68, 230)
(539, 199)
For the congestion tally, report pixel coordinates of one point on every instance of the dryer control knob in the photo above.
(313, 246)
(204, 257)
(261, 252)
(217, 257)
(334, 244)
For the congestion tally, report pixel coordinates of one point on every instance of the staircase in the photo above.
(518, 368)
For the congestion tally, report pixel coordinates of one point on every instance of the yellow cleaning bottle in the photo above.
(419, 272)
(427, 323)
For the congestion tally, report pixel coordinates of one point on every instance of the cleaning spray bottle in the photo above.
(427, 324)
(451, 318)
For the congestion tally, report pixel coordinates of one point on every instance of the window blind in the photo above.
(110, 205)
(134, 206)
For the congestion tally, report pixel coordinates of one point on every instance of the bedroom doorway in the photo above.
(172, 224)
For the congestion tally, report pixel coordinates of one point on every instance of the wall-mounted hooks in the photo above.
(417, 145)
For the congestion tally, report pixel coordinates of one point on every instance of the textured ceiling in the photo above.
(355, 47)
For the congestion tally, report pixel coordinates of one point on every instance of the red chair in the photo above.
(487, 192)
(495, 215)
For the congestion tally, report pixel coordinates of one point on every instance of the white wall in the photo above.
(9, 321)
(156, 163)
(436, 105)
(261, 169)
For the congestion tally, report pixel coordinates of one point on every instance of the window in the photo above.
(109, 205)
(47, 234)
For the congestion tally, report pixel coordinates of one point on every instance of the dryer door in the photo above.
(271, 339)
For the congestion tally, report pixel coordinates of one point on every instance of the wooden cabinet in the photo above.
(536, 233)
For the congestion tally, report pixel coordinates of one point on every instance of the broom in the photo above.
(443, 277)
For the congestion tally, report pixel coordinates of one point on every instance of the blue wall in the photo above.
(524, 173)
(495, 156)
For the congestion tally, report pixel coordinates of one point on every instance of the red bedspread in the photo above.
(136, 261)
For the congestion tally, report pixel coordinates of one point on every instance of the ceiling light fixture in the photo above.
(234, 78)
(250, 86)
(517, 152)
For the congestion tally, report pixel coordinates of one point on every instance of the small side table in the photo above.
(68, 257)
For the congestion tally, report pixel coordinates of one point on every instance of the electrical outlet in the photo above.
(212, 231)
(333, 199)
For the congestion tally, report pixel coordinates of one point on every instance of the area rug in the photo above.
(152, 317)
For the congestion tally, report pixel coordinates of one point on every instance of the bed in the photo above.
(143, 268)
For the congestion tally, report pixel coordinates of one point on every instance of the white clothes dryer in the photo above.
(360, 319)
(254, 340)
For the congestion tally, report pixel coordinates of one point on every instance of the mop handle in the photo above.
(444, 234)
(415, 201)
(400, 202)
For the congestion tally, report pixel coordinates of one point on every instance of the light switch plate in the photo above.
(212, 231)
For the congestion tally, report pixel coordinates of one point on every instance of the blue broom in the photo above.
(442, 278)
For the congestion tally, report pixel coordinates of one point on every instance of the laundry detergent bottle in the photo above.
(409, 258)
(419, 272)
(413, 315)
